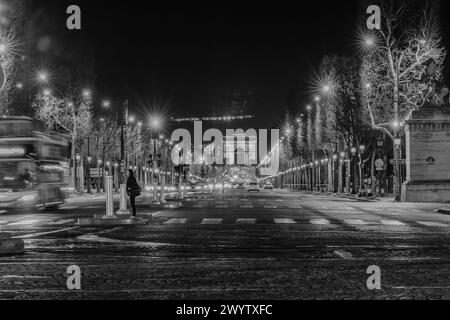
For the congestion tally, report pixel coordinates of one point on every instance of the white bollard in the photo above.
(109, 199)
(123, 201)
(163, 184)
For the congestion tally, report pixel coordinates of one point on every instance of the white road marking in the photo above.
(319, 222)
(246, 207)
(212, 221)
(343, 254)
(356, 222)
(246, 221)
(69, 208)
(64, 221)
(392, 223)
(270, 207)
(176, 221)
(3, 211)
(284, 221)
(433, 224)
(24, 222)
(34, 235)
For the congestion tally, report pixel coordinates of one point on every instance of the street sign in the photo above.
(379, 165)
(95, 173)
(401, 162)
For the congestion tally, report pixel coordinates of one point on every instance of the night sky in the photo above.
(184, 57)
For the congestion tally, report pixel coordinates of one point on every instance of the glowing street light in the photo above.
(106, 104)
(87, 93)
(395, 124)
(42, 77)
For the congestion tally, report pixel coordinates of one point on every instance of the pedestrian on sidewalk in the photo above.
(133, 190)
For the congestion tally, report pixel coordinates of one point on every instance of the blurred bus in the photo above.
(33, 165)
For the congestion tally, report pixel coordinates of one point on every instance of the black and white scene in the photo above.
(225, 151)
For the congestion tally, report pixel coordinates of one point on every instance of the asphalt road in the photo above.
(268, 245)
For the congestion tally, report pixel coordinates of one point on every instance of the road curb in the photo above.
(9, 246)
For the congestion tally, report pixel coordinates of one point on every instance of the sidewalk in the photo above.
(387, 198)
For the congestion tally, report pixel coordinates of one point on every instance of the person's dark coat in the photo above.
(133, 188)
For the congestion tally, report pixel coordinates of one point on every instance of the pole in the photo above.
(123, 201)
(155, 191)
(109, 199)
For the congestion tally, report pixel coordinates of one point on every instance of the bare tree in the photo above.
(13, 50)
(402, 63)
(71, 115)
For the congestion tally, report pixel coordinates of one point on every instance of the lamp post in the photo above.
(362, 149)
(154, 124)
(335, 158)
(116, 176)
(324, 175)
(89, 160)
(341, 172)
(77, 172)
(397, 144)
(99, 162)
(353, 151)
(317, 168)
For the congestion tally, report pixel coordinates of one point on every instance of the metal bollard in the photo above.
(109, 199)
(155, 194)
(123, 201)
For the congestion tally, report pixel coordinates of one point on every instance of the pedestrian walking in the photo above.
(133, 190)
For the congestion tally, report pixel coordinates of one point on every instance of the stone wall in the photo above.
(428, 156)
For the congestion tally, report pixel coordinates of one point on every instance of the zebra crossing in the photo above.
(312, 222)
(243, 204)
(36, 222)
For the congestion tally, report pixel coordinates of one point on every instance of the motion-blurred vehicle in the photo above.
(240, 186)
(33, 165)
(253, 187)
(268, 186)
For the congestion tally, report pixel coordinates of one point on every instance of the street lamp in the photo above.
(362, 149)
(395, 124)
(77, 173)
(99, 163)
(89, 160)
(106, 104)
(87, 93)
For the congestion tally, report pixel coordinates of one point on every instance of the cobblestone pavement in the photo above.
(269, 245)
